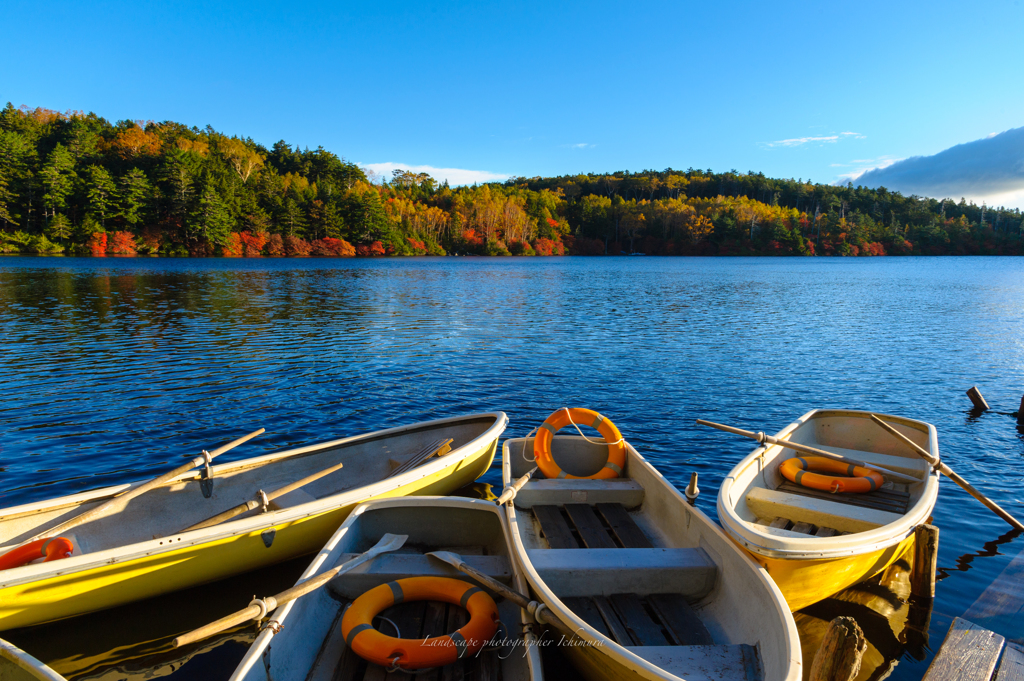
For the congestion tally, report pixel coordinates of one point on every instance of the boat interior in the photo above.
(630, 558)
(195, 497)
(310, 645)
(774, 506)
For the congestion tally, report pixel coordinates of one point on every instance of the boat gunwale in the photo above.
(245, 526)
(259, 647)
(843, 546)
(620, 653)
(27, 662)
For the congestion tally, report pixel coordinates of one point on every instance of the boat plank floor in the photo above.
(556, 530)
(618, 527)
(591, 531)
(639, 624)
(679, 618)
(627, 619)
(880, 500)
(619, 634)
(588, 612)
(624, 527)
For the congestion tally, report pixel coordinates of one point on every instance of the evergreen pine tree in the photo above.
(101, 193)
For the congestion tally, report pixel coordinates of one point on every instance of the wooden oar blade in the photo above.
(388, 542)
(452, 559)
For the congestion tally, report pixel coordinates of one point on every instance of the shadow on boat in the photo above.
(893, 625)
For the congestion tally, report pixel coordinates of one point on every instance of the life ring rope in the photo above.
(560, 418)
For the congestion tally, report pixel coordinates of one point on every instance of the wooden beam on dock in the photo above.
(926, 556)
(841, 652)
(1012, 666)
(969, 653)
(976, 399)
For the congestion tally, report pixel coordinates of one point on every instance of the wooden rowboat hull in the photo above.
(308, 644)
(805, 582)
(634, 550)
(73, 586)
(866, 539)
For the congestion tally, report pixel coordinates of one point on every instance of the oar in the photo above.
(259, 608)
(511, 491)
(539, 611)
(142, 489)
(764, 438)
(948, 472)
(253, 503)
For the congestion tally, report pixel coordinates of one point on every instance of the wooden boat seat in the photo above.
(570, 491)
(705, 663)
(601, 526)
(602, 572)
(798, 508)
(391, 566)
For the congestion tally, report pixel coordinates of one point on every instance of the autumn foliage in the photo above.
(98, 243)
(121, 243)
(374, 249)
(338, 248)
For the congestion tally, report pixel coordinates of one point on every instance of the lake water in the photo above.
(111, 369)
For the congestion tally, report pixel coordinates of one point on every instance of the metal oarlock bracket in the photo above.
(206, 482)
(261, 497)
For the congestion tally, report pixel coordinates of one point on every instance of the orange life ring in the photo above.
(436, 651)
(53, 548)
(585, 417)
(805, 471)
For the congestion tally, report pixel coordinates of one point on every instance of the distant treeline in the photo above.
(75, 183)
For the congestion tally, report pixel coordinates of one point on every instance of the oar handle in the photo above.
(949, 473)
(510, 492)
(224, 623)
(540, 611)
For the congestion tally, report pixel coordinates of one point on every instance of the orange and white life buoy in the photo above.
(425, 653)
(846, 477)
(586, 417)
(53, 548)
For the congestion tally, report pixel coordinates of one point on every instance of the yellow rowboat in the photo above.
(309, 645)
(141, 549)
(17, 665)
(653, 587)
(813, 543)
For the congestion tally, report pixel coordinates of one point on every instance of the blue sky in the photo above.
(811, 90)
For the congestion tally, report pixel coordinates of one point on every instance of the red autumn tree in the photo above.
(121, 243)
(98, 243)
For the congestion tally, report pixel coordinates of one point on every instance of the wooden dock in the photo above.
(972, 653)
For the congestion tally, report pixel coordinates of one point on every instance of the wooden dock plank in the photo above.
(1005, 596)
(589, 526)
(588, 612)
(639, 624)
(618, 632)
(679, 618)
(1012, 666)
(969, 653)
(556, 530)
(624, 527)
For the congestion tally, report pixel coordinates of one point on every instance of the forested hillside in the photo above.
(74, 183)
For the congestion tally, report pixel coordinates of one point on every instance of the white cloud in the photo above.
(860, 166)
(990, 169)
(824, 139)
(454, 176)
(580, 145)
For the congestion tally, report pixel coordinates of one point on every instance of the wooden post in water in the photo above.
(979, 402)
(842, 649)
(926, 555)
